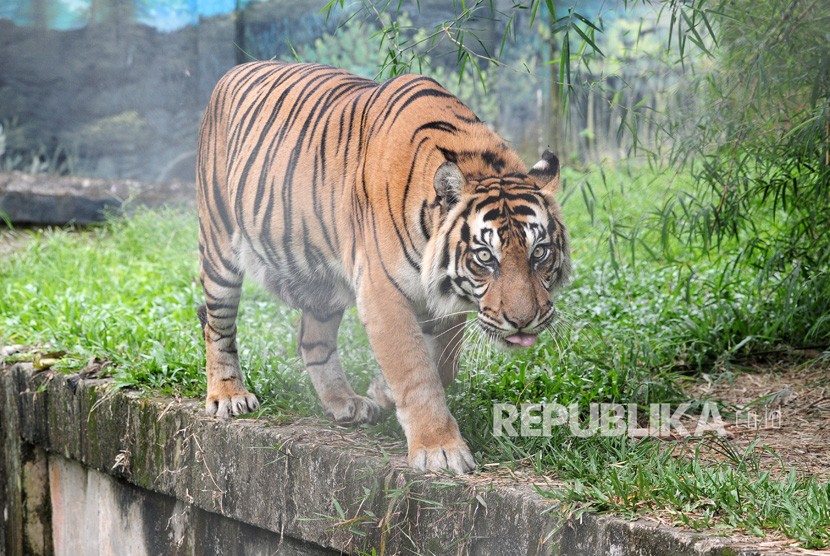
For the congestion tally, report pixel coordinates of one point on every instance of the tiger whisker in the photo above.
(466, 340)
(471, 341)
(460, 330)
(559, 350)
(442, 317)
(450, 329)
(483, 346)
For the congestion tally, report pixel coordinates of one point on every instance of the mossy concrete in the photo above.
(322, 486)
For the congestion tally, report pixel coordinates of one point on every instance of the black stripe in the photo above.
(383, 264)
(422, 220)
(439, 125)
(465, 232)
(493, 160)
(445, 286)
(404, 198)
(492, 214)
(425, 93)
(523, 210)
(409, 258)
(322, 361)
(449, 154)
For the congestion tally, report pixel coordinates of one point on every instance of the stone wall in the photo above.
(84, 467)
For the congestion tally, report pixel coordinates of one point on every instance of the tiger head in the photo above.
(501, 248)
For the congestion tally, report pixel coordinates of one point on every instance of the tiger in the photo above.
(333, 190)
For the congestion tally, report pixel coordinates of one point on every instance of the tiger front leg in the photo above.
(432, 434)
(226, 392)
(445, 338)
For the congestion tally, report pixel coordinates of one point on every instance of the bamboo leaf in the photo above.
(551, 9)
(586, 21)
(588, 40)
(695, 36)
(504, 36)
(534, 6)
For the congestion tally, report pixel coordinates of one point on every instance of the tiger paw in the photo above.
(352, 410)
(230, 403)
(454, 456)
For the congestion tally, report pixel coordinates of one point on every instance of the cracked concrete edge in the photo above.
(307, 482)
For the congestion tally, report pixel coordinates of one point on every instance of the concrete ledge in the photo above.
(320, 487)
(93, 513)
(52, 200)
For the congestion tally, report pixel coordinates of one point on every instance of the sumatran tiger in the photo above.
(332, 190)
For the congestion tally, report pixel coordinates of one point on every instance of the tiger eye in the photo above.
(484, 256)
(540, 252)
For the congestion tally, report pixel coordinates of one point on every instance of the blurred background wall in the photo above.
(115, 88)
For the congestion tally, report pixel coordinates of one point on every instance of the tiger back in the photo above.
(332, 190)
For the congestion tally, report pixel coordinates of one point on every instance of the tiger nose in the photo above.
(520, 321)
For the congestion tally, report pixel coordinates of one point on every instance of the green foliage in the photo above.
(108, 294)
(348, 48)
(761, 158)
(127, 292)
(474, 45)
(711, 489)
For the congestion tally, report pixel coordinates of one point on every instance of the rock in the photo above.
(42, 199)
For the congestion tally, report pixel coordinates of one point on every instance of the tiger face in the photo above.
(501, 250)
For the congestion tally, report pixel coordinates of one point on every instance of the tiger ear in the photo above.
(546, 173)
(448, 182)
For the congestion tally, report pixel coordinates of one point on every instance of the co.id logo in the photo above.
(606, 419)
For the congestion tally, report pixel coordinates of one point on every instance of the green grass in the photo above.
(731, 492)
(643, 313)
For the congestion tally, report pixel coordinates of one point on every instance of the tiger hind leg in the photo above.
(318, 346)
(226, 392)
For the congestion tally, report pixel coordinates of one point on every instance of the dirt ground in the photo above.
(784, 405)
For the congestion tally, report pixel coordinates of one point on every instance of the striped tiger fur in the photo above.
(332, 190)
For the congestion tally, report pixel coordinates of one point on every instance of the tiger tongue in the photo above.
(524, 340)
